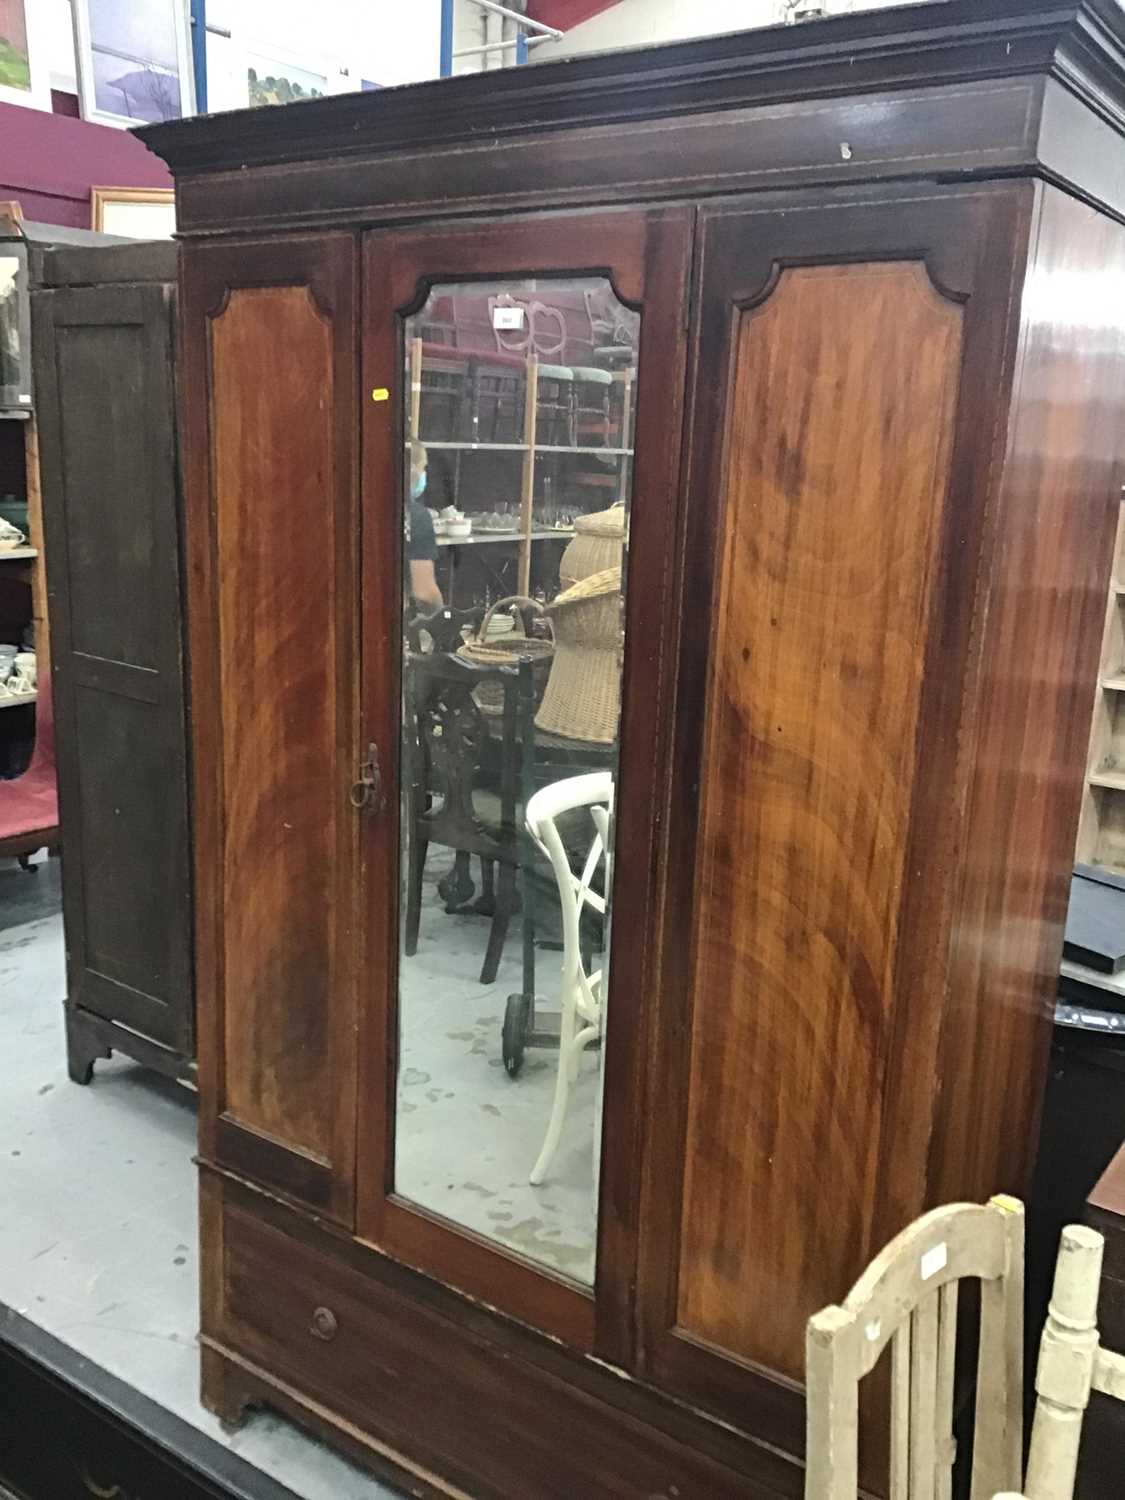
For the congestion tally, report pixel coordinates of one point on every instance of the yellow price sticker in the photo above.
(380, 393)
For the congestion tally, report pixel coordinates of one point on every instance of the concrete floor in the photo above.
(98, 1228)
(98, 1217)
(467, 1135)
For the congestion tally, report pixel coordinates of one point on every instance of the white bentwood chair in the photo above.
(581, 999)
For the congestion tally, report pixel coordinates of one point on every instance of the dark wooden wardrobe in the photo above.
(879, 444)
(103, 342)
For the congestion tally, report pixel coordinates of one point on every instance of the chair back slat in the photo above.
(946, 1369)
(923, 1398)
(998, 1427)
(900, 1412)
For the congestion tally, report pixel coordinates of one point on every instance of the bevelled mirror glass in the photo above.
(517, 463)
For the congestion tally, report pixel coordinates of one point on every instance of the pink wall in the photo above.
(49, 163)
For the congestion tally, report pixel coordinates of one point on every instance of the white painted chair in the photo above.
(1071, 1365)
(907, 1298)
(581, 998)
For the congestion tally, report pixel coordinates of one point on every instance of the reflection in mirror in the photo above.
(517, 471)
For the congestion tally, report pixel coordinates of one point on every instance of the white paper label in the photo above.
(26, 400)
(935, 1260)
(507, 317)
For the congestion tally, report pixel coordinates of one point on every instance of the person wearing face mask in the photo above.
(420, 549)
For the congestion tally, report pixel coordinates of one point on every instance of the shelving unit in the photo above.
(20, 471)
(1101, 829)
(531, 450)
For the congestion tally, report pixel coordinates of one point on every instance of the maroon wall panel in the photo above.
(49, 163)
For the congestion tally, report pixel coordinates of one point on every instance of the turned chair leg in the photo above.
(1067, 1355)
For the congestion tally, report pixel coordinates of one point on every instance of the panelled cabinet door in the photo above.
(270, 399)
(527, 375)
(105, 406)
(850, 363)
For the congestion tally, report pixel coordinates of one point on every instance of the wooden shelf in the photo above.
(521, 448)
(1114, 684)
(18, 554)
(566, 448)
(473, 447)
(478, 538)
(18, 700)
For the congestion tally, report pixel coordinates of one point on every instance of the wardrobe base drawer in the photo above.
(289, 1322)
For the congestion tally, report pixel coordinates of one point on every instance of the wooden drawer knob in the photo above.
(324, 1324)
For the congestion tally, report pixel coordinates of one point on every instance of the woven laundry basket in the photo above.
(583, 697)
(487, 650)
(598, 543)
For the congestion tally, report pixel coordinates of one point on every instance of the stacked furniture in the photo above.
(880, 435)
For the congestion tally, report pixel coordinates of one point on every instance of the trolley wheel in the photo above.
(517, 1014)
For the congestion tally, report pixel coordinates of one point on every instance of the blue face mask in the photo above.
(418, 486)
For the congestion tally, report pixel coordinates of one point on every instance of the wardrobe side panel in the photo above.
(1059, 494)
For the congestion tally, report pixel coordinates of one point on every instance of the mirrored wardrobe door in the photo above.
(510, 429)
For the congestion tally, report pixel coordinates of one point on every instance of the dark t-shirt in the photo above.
(421, 541)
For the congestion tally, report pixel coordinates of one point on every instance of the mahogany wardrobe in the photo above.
(812, 338)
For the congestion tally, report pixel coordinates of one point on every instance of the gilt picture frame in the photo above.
(134, 213)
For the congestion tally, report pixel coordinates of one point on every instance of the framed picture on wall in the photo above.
(24, 72)
(135, 213)
(272, 78)
(134, 60)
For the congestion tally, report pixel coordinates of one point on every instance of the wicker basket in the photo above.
(583, 697)
(598, 544)
(506, 651)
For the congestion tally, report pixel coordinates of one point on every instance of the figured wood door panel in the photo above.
(844, 383)
(106, 410)
(274, 665)
(835, 516)
(277, 649)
